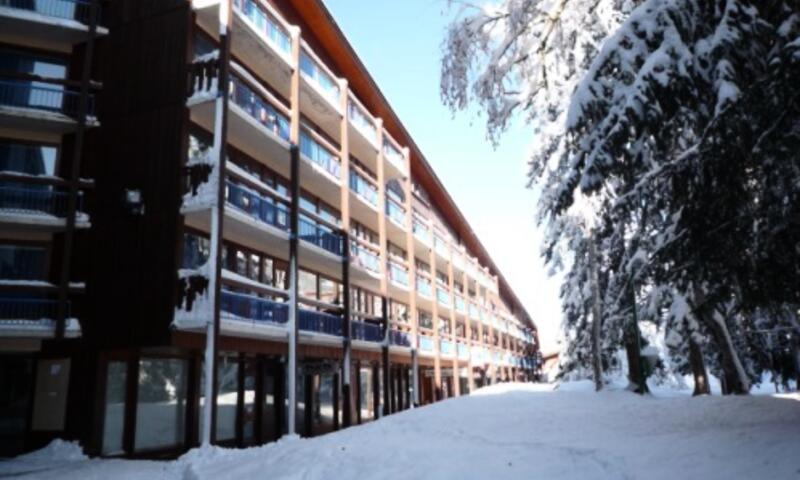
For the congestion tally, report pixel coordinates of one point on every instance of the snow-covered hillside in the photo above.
(505, 431)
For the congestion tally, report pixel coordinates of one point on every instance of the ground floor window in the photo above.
(114, 418)
(161, 403)
(16, 388)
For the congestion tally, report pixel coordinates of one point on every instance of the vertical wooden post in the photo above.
(385, 355)
(451, 284)
(344, 155)
(72, 199)
(412, 279)
(294, 152)
(437, 359)
(217, 220)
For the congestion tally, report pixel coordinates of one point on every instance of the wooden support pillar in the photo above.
(294, 155)
(437, 359)
(385, 356)
(344, 155)
(412, 277)
(453, 338)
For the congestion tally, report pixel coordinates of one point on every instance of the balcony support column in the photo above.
(72, 199)
(385, 355)
(437, 358)
(217, 221)
(453, 337)
(412, 281)
(344, 157)
(294, 221)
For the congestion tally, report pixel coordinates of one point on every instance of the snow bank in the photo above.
(510, 431)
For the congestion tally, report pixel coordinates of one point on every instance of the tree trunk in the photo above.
(735, 380)
(596, 316)
(701, 386)
(635, 367)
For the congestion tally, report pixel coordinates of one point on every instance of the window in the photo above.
(161, 403)
(29, 158)
(18, 262)
(227, 396)
(196, 250)
(253, 267)
(425, 319)
(444, 326)
(307, 284)
(329, 291)
(398, 312)
(114, 419)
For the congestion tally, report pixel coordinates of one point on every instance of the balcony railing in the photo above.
(266, 25)
(401, 339)
(320, 322)
(55, 99)
(30, 309)
(474, 312)
(256, 206)
(361, 121)
(395, 211)
(316, 74)
(259, 108)
(36, 200)
(368, 332)
(363, 187)
(425, 343)
(79, 10)
(421, 231)
(446, 347)
(398, 274)
(254, 308)
(463, 351)
(423, 286)
(440, 245)
(460, 305)
(442, 297)
(365, 257)
(393, 154)
(320, 236)
(320, 155)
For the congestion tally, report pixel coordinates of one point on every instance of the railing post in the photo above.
(69, 233)
(385, 354)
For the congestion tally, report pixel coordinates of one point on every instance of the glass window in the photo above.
(425, 319)
(249, 400)
(28, 158)
(253, 267)
(196, 250)
(367, 395)
(241, 263)
(161, 403)
(328, 290)
(114, 419)
(307, 284)
(19, 262)
(266, 269)
(281, 279)
(227, 396)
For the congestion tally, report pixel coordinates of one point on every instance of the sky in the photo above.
(399, 42)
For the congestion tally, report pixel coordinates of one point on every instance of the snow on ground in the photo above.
(501, 432)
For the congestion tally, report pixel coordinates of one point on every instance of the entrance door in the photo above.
(272, 399)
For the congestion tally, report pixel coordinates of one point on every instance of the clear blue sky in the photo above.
(399, 42)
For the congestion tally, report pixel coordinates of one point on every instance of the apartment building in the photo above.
(257, 212)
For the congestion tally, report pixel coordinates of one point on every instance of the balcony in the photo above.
(446, 348)
(394, 156)
(320, 155)
(321, 236)
(320, 322)
(424, 286)
(258, 123)
(38, 206)
(441, 247)
(256, 206)
(363, 187)
(49, 21)
(365, 258)
(463, 351)
(266, 25)
(363, 132)
(320, 96)
(474, 312)
(395, 212)
(34, 318)
(426, 344)
(398, 274)
(42, 104)
(443, 297)
(240, 306)
(421, 231)
(460, 305)
(399, 338)
(367, 332)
